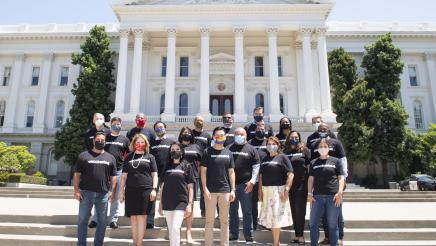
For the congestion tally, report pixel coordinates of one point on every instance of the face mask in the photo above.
(140, 146)
(140, 123)
(220, 140)
(99, 145)
(322, 134)
(227, 123)
(99, 122)
(286, 126)
(315, 126)
(239, 139)
(294, 141)
(176, 155)
(116, 128)
(260, 134)
(198, 125)
(323, 151)
(186, 137)
(258, 118)
(272, 148)
(160, 131)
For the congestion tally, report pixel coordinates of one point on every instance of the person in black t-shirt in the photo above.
(299, 156)
(247, 166)
(94, 185)
(193, 155)
(176, 200)
(118, 146)
(275, 181)
(317, 135)
(230, 130)
(201, 137)
(250, 128)
(140, 182)
(98, 122)
(325, 187)
(141, 127)
(218, 181)
(285, 129)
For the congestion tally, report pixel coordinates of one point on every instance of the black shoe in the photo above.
(233, 238)
(92, 224)
(326, 241)
(150, 226)
(113, 225)
(249, 240)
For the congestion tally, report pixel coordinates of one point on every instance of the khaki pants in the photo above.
(222, 199)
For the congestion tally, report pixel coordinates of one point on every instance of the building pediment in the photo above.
(221, 57)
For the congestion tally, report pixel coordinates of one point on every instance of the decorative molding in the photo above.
(49, 56)
(428, 56)
(321, 32)
(20, 56)
(205, 31)
(239, 31)
(124, 33)
(138, 32)
(172, 31)
(272, 31)
(298, 45)
(306, 31)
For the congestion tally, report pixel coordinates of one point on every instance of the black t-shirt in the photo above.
(336, 149)
(245, 157)
(300, 164)
(139, 168)
(314, 137)
(160, 149)
(118, 146)
(282, 138)
(325, 175)
(230, 136)
(202, 139)
(193, 153)
(96, 170)
(175, 193)
(259, 144)
(250, 128)
(89, 137)
(275, 170)
(218, 163)
(148, 132)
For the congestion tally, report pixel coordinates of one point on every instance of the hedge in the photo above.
(23, 178)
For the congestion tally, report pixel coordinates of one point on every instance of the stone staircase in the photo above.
(47, 216)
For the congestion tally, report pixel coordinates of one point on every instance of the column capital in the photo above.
(272, 31)
(172, 31)
(239, 31)
(138, 32)
(124, 33)
(321, 31)
(205, 30)
(306, 31)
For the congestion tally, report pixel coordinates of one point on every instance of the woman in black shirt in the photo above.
(140, 181)
(275, 181)
(285, 129)
(176, 200)
(299, 156)
(325, 188)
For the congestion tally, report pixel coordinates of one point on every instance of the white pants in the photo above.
(174, 221)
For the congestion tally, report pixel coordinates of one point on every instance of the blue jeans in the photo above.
(114, 208)
(324, 204)
(245, 200)
(90, 199)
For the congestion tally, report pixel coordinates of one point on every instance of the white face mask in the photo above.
(272, 148)
(99, 122)
(323, 151)
(315, 126)
(239, 139)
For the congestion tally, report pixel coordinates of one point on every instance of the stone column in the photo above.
(326, 102)
(11, 104)
(121, 73)
(308, 73)
(135, 91)
(170, 82)
(240, 115)
(204, 74)
(274, 93)
(43, 92)
(431, 68)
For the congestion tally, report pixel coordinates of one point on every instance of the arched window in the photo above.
(162, 103)
(260, 100)
(215, 106)
(282, 104)
(183, 104)
(60, 111)
(2, 112)
(418, 115)
(30, 113)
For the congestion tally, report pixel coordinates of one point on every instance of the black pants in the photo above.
(254, 210)
(340, 225)
(298, 201)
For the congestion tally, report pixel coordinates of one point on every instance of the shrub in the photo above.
(23, 178)
(39, 174)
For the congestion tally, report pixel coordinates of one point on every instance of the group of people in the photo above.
(232, 167)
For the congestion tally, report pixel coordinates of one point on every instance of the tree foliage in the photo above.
(16, 158)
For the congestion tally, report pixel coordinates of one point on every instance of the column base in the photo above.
(206, 116)
(329, 117)
(275, 117)
(240, 118)
(165, 117)
(309, 115)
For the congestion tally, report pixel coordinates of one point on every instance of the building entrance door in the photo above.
(219, 104)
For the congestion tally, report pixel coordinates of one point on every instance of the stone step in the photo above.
(264, 236)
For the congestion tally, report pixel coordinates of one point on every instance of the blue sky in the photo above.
(99, 11)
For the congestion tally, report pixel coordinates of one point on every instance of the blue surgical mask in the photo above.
(322, 134)
(294, 141)
(239, 139)
(116, 128)
(160, 131)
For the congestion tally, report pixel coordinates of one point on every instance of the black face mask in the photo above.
(99, 145)
(186, 137)
(176, 155)
(260, 134)
(286, 126)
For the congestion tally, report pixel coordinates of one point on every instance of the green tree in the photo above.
(413, 157)
(92, 94)
(429, 139)
(16, 158)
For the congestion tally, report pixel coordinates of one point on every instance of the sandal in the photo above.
(301, 242)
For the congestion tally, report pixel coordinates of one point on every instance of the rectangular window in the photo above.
(412, 76)
(2, 112)
(64, 76)
(279, 62)
(258, 63)
(6, 76)
(35, 76)
(29, 121)
(164, 67)
(184, 66)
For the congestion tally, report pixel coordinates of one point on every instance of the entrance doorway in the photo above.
(220, 104)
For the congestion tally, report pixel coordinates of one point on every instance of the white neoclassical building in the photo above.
(179, 58)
